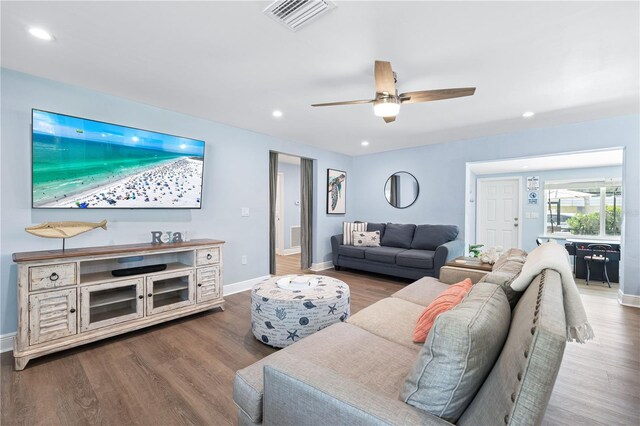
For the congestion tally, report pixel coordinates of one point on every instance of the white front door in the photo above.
(497, 218)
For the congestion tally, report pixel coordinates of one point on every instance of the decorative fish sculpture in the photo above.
(64, 229)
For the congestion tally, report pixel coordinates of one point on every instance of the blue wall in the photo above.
(291, 174)
(440, 170)
(236, 175)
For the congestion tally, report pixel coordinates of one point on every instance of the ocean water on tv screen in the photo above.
(83, 164)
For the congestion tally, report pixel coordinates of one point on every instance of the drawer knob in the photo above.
(150, 295)
(209, 256)
(141, 297)
(72, 310)
(54, 277)
(199, 284)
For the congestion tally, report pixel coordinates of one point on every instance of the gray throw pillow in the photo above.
(398, 235)
(505, 270)
(429, 237)
(459, 353)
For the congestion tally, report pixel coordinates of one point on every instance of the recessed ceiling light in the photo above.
(135, 139)
(528, 114)
(525, 167)
(277, 113)
(364, 143)
(40, 33)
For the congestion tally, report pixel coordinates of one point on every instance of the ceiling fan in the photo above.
(387, 101)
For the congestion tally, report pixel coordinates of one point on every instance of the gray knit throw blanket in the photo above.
(552, 255)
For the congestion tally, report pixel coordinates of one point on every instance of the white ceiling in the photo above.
(228, 62)
(574, 160)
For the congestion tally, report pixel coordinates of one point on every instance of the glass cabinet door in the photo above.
(111, 303)
(169, 291)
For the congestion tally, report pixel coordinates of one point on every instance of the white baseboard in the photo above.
(292, 250)
(628, 299)
(242, 285)
(6, 342)
(316, 267)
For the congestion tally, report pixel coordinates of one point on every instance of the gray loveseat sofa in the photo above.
(406, 250)
(353, 373)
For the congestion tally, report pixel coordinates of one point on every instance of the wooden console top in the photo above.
(35, 256)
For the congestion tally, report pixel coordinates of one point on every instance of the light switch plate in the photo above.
(245, 212)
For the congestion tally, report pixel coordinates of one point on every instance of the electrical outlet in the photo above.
(244, 259)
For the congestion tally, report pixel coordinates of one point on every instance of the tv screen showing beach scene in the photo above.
(87, 164)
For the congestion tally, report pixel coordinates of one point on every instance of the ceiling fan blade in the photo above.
(364, 101)
(389, 119)
(435, 95)
(385, 82)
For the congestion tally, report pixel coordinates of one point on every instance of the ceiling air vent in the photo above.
(294, 14)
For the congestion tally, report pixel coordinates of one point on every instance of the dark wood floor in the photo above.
(182, 372)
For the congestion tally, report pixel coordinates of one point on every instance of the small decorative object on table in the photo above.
(491, 255)
(64, 230)
(160, 237)
(474, 249)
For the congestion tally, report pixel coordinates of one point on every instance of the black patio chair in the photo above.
(598, 253)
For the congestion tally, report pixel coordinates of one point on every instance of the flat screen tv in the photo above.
(87, 164)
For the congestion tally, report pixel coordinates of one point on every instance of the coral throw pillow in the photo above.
(445, 301)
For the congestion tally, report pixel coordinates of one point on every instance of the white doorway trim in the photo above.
(280, 215)
(519, 198)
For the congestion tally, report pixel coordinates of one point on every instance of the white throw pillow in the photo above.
(366, 239)
(347, 231)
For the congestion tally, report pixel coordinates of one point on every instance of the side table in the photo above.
(463, 267)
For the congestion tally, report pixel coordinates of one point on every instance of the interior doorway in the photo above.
(288, 215)
(280, 215)
(575, 198)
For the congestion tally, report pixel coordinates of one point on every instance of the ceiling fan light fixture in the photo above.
(40, 33)
(386, 107)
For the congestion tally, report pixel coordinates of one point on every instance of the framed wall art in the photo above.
(336, 191)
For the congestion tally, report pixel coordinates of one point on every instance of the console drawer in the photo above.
(208, 256)
(52, 276)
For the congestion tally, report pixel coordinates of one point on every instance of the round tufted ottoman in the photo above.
(286, 309)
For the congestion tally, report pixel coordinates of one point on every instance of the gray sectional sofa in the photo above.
(356, 372)
(406, 250)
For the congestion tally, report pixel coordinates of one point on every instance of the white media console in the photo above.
(69, 298)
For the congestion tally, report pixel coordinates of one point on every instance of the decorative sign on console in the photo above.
(160, 237)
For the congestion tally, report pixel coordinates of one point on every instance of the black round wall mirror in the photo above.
(401, 190)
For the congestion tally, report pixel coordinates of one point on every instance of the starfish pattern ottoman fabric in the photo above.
(281, 316)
